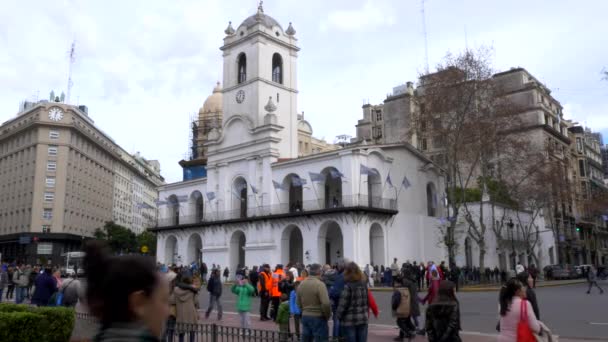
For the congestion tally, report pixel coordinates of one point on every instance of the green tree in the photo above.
(100, 234)
(147, 238)
(120, 239)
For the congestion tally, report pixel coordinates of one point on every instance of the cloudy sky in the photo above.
(145, 67)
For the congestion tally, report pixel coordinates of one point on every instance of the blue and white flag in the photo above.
(210, 196)
(241, 186)
(316, 177)
(405, 183)
(277, 185)
(296, 181)
(336, 174)
(144, 206)
(238, 195)
(364, 170)
(304, 181)
(159, 202)
(254, 189)
(389, 181)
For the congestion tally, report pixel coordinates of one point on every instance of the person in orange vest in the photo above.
(265, 288)
(275, 294)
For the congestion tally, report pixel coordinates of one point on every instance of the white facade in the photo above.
(237, 216)
(514, 227)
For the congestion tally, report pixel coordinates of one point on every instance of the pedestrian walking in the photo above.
(526, 280)
(126, 294)
(433, 288)
(335, 293)
(46, 286)
(592, 279)
(214, 287)
(254, 277)
(204, 272)
(294, 309)
(20, 279)
(185, 297)
(443, 317)
(244, 291)
(534, 274)
(226, 274)
(32, 279)
(282, 319)
(352, 311)
(10, 289)
(69, 291)
(265, 287)
(275, 294)
(514, 308)
(312, 298)
(402, 302)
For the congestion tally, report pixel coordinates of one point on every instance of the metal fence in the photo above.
(254, 209)
(199, 333)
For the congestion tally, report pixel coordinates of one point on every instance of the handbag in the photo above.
(524, 333)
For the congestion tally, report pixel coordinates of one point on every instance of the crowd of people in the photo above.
(135, 299)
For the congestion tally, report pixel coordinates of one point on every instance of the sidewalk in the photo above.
(376, 332)
(496, 286)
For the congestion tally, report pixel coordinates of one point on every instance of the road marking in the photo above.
(598, 323)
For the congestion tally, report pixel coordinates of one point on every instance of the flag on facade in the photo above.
(237, 195)
(389, 181)
(442, 220)
(241, 186)
(144, 206)
(364, 170)
(405, 183)
(182, 198)
(254, 189)
(159, 202)
(277, 185)
(336, 174)
(296, 181)
(316, 177)
(210, 196)
(303, 180)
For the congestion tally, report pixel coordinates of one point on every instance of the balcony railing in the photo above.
(360, 202)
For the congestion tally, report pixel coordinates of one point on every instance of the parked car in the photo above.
(560, 272)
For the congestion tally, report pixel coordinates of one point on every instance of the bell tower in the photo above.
(260, 81)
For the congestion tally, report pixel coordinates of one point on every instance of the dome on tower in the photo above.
(261, 18)
(213, 103)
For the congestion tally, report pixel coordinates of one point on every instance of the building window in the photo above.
(378, 115)
(378, 132)
(50, 182)
(423, 144)
(52, 151)
(423, 126)
(579, 145)
(51, 166)
(581, 168)
(47, 214)
(53, 135)
(49, 196)
(46, 229)
(242, 68)
(45, 248)
(277, 68)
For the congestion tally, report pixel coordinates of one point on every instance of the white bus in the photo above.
(73, 264)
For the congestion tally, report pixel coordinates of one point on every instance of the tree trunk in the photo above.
(482, 261)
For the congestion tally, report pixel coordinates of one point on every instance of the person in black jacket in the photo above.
(526, 279)
(214, 286)
(254, 277)
(443, 316)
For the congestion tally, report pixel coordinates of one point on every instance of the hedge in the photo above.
(27, 323)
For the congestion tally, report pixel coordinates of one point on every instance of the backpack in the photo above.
(404, 308)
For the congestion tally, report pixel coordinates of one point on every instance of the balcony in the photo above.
(357, 203)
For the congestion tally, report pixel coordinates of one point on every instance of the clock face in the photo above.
(55, 114)
(240, 96)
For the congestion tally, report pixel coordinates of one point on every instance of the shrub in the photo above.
(28, 323)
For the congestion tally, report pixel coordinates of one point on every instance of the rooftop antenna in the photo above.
(426, 44)
(72, 60)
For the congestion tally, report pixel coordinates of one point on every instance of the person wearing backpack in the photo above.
(442, 322)
(401, 304)
(69, 292)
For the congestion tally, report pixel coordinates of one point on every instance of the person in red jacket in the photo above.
(433, 288)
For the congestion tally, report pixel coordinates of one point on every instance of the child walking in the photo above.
(244, 291)
(294, 309)
(283, 318)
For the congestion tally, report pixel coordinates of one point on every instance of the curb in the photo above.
(488, 288)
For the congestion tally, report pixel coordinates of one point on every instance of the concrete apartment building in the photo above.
(604, 151)
(58, 182)
(542, 123)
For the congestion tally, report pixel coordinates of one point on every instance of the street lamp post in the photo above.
(510, 225)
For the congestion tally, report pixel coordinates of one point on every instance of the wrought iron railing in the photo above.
(174, 332)
(254, 210)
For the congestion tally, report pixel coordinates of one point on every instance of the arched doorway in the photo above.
(376, 245)
(239, 194)
(331, 243)
(195, 246)
(173, 207)
(374, 189)
(468, 252)
(196, 207)
(292, 245)
(171, 250)
(294, 184)
(333, 187)
(237, 250)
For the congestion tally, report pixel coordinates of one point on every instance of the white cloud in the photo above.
(589, 115)
(366, 18)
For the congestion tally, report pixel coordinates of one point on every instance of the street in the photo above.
(567, 310)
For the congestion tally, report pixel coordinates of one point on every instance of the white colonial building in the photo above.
(263, 201)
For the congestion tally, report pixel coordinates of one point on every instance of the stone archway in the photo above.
(239, 194)
(238, 241)
(376, 245)
(292, 245)
(374, 189)
(331, 243)
(170, 250)
(195, 246)
(173, 209)
(332, 193)
(196, 204)
(293, 185)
